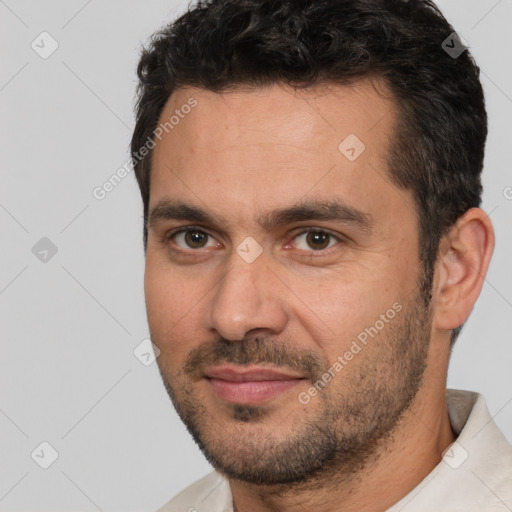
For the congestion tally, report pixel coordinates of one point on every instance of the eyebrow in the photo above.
(327, 210)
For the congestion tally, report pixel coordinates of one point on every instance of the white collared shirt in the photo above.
(475, 474)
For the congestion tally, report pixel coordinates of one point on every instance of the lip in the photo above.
(249, 386)
(245, 374)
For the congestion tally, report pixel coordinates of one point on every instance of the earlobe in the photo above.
(464, 257)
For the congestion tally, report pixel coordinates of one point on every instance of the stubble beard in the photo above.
(355, 413)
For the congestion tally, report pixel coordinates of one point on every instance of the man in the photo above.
(310, 174)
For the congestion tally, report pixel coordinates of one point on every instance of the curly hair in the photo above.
(437, 150)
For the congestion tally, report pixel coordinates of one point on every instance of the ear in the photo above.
(463, 260)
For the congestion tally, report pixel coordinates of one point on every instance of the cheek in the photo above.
(175, 312)
(168, 300)
(338, 310)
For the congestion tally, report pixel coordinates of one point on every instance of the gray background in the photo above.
(70, 324)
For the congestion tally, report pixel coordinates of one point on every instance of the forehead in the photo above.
(277, 113)
(272, 147)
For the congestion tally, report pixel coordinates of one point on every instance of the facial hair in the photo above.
(353, 415)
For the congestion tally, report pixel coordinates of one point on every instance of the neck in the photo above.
(398, 465)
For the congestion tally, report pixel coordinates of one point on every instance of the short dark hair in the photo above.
(437, 150)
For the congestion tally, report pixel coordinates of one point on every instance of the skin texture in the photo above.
(380, 424)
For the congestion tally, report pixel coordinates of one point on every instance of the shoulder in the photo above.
(211, 492)
(475, 473)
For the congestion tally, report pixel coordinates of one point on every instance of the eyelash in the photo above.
(312, 252)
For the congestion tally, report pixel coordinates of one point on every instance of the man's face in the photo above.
(251, 306)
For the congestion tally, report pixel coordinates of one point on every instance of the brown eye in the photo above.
(315, 239)
(190, 239)
(195, 239)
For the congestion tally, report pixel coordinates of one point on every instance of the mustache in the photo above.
(253, 351)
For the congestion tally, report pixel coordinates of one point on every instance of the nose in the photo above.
(248, 298)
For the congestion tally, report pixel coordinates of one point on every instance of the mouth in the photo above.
(249, 385)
